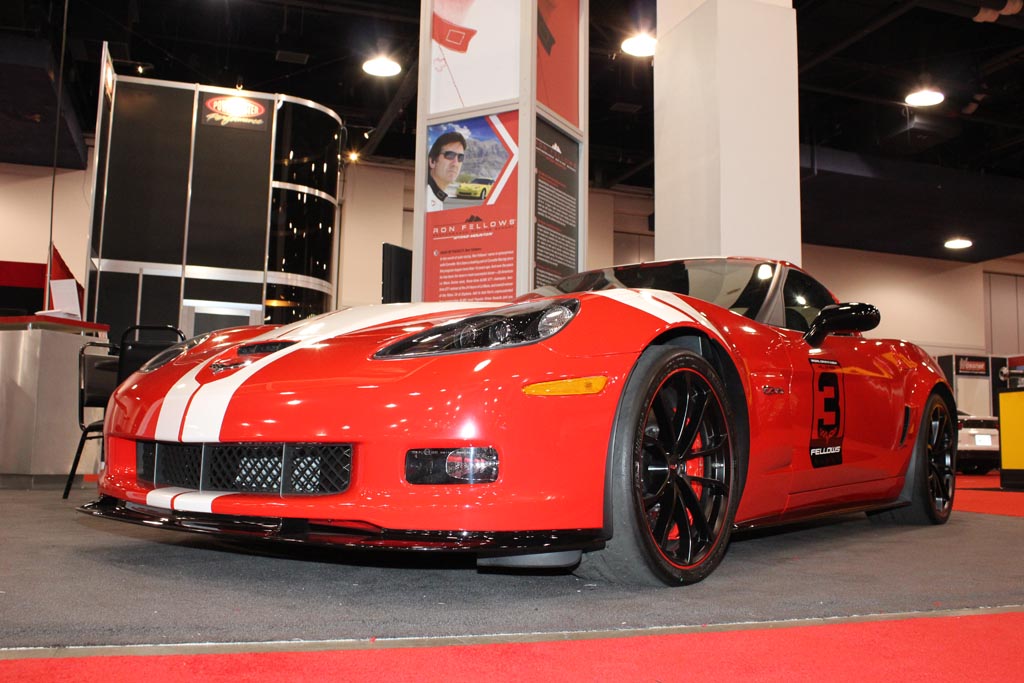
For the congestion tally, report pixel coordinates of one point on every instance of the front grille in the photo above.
(281, 468)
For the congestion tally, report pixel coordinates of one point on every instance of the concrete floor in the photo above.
(71, 580)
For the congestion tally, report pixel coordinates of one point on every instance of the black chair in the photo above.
(98, 376)
(97, 379)
(139, 343)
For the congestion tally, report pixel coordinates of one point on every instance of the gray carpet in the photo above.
(67, 579)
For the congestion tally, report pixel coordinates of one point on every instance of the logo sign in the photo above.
(827, 417)
(234, 111)
(972, 365)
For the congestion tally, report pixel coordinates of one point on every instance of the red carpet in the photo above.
(982, 494)
(933, 649)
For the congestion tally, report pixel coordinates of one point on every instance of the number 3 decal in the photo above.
(828, 390)
(826, 447)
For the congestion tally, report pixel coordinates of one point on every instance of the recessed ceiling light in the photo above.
(640, 45)
(381, 66)
(924, 97)
(958, 243)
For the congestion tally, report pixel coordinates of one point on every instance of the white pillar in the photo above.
(726, 133)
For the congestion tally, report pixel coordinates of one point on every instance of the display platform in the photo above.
(73, 580)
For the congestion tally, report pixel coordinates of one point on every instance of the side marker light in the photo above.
(567, 387)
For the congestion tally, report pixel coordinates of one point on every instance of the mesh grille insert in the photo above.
(277, 468)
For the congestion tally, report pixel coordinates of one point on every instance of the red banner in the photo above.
(558, 58)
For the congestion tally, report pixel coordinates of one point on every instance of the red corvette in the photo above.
(626, 420)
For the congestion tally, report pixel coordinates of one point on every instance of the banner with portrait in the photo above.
(471, 206)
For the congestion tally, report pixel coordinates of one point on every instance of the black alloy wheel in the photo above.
(931, 474)
(674, 473)
(940, 440)
(681, 470)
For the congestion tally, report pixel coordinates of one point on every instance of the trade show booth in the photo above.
(212, 207)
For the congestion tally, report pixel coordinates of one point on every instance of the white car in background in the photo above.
(977, 443)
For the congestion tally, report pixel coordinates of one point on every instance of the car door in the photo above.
(848, 405)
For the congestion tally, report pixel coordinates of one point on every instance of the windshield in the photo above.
(739, 285)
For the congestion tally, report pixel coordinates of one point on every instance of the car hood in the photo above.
(344, 321)
(190, 397)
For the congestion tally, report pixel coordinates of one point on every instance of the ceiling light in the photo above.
(640, 45)
(382, 66)
(924, 97)
(353, 156)
(958, 243)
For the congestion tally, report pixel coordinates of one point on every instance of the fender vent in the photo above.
(906, 425)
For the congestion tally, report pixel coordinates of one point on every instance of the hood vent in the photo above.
(263, 348)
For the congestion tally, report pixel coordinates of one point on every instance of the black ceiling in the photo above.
(875, 174)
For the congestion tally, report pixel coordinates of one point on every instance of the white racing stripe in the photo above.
(194, 413)
(196, 501)
(186, 500)
(168, 422)
(663, 305)
(648, 302)
(164, 498)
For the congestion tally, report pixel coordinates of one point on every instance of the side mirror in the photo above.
(842, 319)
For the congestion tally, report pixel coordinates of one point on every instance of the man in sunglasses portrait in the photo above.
(445, 162)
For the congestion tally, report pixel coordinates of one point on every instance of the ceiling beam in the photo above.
(627, 174)
(863, 97)
(406, 91)
(862, 32)
(359, 9)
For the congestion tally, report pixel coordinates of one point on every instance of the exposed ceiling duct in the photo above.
(856, 61)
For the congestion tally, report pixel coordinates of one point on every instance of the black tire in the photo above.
(933, 468)
(674, 473)
(483, 195)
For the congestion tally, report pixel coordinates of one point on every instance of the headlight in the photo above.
(511, 326)
(171, 352)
